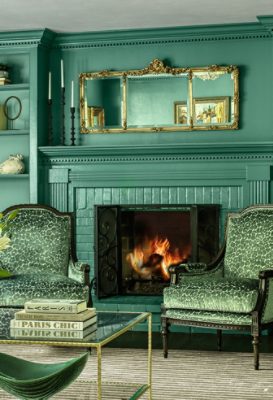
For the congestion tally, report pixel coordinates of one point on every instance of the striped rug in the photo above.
(185, 375)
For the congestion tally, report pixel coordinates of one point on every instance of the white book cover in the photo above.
(47, 316)
(58, 325)
(51, 334)
(55, 305)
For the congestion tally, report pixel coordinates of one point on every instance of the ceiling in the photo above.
(100, 15)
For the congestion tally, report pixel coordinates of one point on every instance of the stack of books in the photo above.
(4, 75)
(63, 320)
(4, 81)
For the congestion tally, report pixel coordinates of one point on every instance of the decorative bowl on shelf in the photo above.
(13, 165)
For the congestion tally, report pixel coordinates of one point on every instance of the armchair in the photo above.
(42, 258)
(233, 292)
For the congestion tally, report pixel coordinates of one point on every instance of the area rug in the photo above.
(185, 375)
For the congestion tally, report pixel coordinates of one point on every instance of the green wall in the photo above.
(230, 168)
(252, 53)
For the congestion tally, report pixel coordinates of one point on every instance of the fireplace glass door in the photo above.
(136, 245)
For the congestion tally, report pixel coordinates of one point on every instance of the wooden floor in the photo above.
(199, 373)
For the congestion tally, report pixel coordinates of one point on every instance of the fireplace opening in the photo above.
(151, 241)
(135, 245)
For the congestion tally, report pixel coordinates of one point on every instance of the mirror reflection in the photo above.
(103, 101)
(151, 100)
(160, 98)
(213, 101)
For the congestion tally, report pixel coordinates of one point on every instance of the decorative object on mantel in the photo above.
(72, 113)
(10, 105)
(178, 86)
(62, 142)
(13, 165)
(62, 120)
(49, 102)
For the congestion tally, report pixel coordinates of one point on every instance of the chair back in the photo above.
(249, 242)
(40, 241)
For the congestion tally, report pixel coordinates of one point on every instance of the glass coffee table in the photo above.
(110, 325)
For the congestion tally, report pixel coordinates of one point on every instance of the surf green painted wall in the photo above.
(230, 168)
(253, 54)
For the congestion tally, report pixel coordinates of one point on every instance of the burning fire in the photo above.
(154, 257)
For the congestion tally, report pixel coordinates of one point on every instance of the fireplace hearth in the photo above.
(135, 245)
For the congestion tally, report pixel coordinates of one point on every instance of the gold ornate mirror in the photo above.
(160, 98)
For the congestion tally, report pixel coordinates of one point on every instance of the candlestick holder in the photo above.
(62, 141)
(72, 114)
(50, 127)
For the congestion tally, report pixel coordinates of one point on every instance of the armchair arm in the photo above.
(190, 268)
(197, 269)
(266, 274)
(79, 271)
(187, 267)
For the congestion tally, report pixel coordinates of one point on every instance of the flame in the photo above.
(153, 257)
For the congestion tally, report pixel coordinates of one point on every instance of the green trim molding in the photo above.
(260, 29)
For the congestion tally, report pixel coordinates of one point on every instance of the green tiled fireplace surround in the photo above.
(77, 178)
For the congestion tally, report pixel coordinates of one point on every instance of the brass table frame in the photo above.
(140, 317)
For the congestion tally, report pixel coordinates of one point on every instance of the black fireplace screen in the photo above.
(135, 245)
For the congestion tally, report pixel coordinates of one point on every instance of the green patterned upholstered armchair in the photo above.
(41, 258)
(233, 292)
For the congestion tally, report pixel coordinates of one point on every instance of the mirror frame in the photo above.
(157, 67)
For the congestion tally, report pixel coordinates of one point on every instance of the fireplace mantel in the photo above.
(238, 175)
(243, 150)
(77, 178)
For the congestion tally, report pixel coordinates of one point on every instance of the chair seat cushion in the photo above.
(210, 317)
(217, 294)
(16, 290)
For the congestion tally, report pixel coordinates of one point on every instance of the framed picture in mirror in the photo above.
(211, 110)
(180, 112)
(96, 117)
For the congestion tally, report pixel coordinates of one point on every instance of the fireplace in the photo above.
(135, 245)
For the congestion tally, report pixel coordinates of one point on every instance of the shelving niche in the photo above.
(15, 135)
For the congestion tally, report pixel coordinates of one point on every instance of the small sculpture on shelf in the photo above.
(13, 165)
(4, 74)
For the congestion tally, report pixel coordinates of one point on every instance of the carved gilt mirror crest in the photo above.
(160, 98)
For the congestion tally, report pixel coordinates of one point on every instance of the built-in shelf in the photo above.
(14, 86)
(15, 176)
(11, 132)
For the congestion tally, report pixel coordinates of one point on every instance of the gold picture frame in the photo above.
(96, 117)
(180, 112)
(92, 84)
(211, 110)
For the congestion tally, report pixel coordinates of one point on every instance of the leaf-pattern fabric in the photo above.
(230, 299)
(39, 259)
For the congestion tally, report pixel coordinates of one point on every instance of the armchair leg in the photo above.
(219, 339)
(255, 330)
(255, 343)
(165, 331)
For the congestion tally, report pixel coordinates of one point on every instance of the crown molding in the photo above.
(258, 29)
(37, 37)
(267, 22)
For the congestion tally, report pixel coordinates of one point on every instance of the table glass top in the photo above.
(108, 326)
